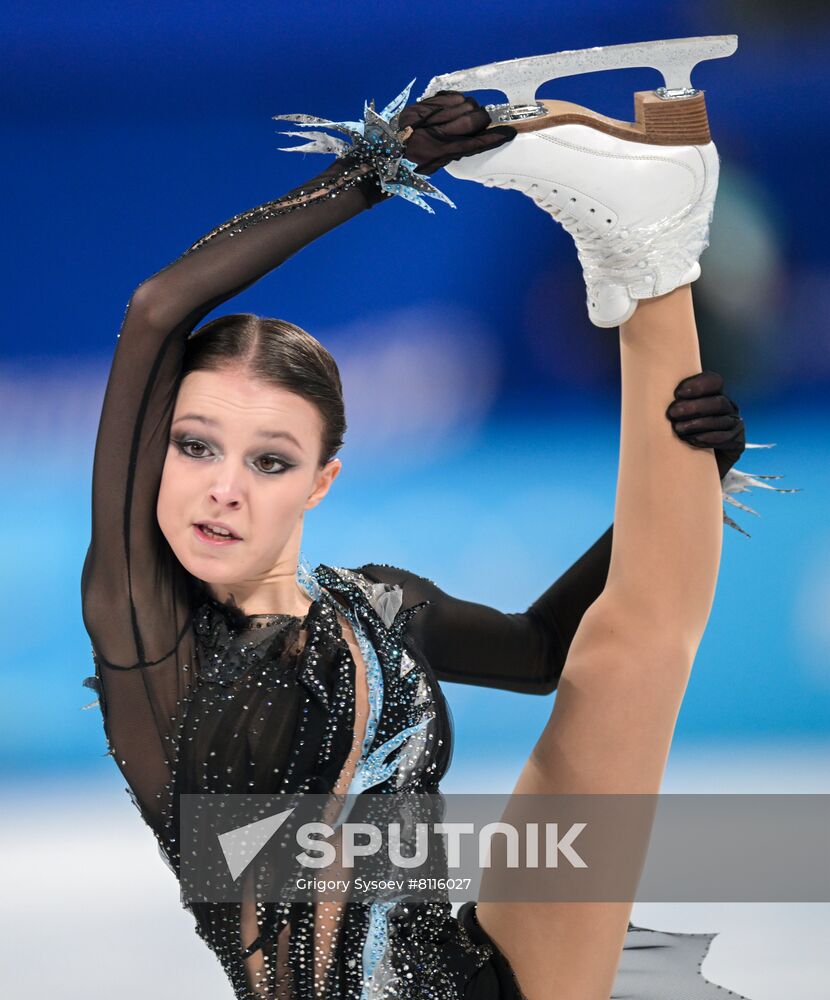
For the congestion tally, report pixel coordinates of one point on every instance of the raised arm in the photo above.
(135, 594)
(136, 597)
(126, 559)
(127, 553)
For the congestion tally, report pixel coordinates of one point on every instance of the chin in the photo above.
(200, 568)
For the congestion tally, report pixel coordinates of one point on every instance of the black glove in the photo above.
(448, 126)
(705, 418)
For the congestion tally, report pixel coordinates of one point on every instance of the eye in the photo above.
(184, 443)
(283, 466)
(277, 464)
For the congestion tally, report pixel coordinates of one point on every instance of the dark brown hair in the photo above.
(277, 353)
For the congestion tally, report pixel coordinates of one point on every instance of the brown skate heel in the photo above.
(659, 121)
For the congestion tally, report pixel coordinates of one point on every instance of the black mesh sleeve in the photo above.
(471, 643)
(136, 596)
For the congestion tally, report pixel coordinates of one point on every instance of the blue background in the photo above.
(483, 408)
(484, 455)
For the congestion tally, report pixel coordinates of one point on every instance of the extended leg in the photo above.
(629, 663)
(668, 528)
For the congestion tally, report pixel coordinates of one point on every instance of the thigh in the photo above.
(609, 733)
(566, 950)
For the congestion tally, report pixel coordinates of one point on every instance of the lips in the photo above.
(212, 539)
(217, 524)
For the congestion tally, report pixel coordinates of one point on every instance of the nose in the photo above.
(231, 504)
(226, 495)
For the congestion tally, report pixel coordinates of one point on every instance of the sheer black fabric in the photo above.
(198, 697)
(704, 417)
(471, 643)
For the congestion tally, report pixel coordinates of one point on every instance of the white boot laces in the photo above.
(646, 260)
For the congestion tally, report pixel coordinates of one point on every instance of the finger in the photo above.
(505, 130)
(447, 114)
(490, 138)
(447, 107)
(447, 117)
(703, 384)
(415, 114)
(723, 440)
(454, 94)
(717, 439)
(700, 407)
(420, 112)
(457, 122)
(424, 110)
(699, 424)
(448, 93)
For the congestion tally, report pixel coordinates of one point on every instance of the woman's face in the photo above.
(252, 463)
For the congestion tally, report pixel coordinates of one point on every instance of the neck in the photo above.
(277, 593)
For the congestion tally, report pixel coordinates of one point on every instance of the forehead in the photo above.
(239, 402)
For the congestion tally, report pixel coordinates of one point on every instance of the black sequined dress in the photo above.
(197, 697)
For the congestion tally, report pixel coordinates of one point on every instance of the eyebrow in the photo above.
(210, 422)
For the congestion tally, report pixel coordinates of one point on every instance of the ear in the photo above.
(322, 484)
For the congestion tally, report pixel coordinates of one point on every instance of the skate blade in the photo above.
(519, 79)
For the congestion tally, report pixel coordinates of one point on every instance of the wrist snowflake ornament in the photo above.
(376, 140)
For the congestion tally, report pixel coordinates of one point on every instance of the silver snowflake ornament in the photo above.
(377, 140)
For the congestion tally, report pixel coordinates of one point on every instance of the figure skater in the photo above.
(224, 664)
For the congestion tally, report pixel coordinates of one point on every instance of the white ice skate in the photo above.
(637, 197)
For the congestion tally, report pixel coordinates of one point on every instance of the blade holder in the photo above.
(520, 79)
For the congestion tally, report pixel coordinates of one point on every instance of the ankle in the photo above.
(666, 312)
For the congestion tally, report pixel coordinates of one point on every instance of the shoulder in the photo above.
(371, 579)
(392, 575)
(416, 588)
(385, 585)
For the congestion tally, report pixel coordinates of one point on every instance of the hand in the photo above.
(448, 126)
(705, 418)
